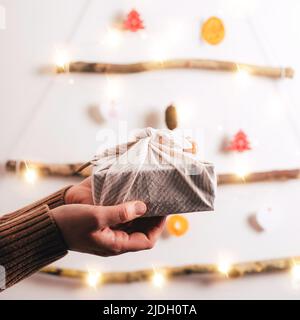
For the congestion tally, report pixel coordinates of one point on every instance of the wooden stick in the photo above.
(236, 270)
(48, 169)
(200, 64)
(67, 170)
(276, 175)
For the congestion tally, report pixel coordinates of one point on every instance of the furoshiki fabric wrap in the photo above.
(154, 168)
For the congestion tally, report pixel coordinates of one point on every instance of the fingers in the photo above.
(120, 241)
(138, 241)
(139, 234)
(121, 213)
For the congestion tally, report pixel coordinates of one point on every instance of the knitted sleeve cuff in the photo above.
(28, 242)
(56, 199)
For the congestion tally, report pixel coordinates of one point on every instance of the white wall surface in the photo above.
(44, 117)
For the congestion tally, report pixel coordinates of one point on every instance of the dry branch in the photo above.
(276, 175)
(199, 64)
(236, 270)
(67, 170)
(47, 169)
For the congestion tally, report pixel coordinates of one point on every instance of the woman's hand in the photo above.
(80, 193)
(105, 231)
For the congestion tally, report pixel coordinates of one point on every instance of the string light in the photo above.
(242, 172)
(224, 267)
(242, 75)
(93, 278)
(158, 279)
(30, 175)
(62, 61)
(159, 52)
(291, 264)
(295, 273)
(113, 37)
(241, 166)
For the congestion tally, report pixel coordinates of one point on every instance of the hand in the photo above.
(80, 193)
(107, 231)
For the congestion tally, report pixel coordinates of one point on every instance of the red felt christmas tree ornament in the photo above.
(239, 142)
(133, 21)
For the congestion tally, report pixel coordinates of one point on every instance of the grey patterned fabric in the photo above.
(165, 191)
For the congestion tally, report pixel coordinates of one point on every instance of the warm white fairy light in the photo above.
(159, 53)
(242, 171)
(113, 37)
(158, 279)
(295, 271)
(93, 278)
(242, 75)
(241, 166)
(30, 175)
(295, 274)
(224, 267)
(61, 60)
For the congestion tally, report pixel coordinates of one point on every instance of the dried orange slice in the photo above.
(177, 225)
(213, 30)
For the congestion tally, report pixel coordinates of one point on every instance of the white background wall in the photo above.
(46, 117)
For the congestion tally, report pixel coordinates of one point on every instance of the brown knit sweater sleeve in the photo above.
(29, 240)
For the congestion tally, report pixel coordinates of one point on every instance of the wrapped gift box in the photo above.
(165, 189)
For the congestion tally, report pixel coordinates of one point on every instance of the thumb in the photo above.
(122, 213)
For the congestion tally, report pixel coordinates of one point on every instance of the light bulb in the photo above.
(242, 75)
(30, 175)
(158, 279)
(241, 172)
(295, 273)
(61, 60)
(93, 278)
(224, 267)
(113, 37)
